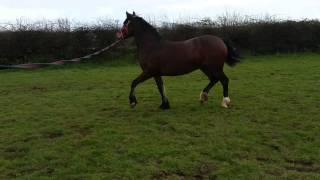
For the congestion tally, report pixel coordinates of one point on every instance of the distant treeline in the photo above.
(45, 40)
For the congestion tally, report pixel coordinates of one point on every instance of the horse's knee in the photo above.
(133, 84)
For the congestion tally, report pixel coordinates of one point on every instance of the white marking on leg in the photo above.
(203, 97)
(226, 102)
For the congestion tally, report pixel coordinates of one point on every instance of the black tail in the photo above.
(233, 55)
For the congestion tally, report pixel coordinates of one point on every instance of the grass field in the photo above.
(75, 123)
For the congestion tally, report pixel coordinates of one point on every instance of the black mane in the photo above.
(147, 27)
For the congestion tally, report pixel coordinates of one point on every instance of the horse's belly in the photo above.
(175, 70)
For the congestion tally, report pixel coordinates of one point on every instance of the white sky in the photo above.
(89, 10)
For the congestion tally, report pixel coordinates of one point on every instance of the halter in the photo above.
(123, 31)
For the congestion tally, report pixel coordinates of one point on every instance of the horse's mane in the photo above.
(148, 27)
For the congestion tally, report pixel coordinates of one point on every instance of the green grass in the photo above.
(75, 123)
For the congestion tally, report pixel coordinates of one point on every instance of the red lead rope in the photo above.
(59, 62)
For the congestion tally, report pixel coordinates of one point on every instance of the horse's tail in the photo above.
(233, 55)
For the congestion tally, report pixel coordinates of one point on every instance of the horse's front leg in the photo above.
(132, 97)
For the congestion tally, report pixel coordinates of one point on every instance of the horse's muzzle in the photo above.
(123, 32)
(119, 35)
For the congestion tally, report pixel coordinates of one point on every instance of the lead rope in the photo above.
(59, 62)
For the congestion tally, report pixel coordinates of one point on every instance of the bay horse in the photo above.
(158, 57)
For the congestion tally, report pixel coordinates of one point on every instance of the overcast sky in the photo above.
(89, 10)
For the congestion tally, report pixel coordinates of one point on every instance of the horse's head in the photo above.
(127, 29)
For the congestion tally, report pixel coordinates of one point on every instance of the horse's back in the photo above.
(180, 57)
(209, 49)
(206, 44)
(210, 45)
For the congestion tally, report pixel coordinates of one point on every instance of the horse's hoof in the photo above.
(133, 104)
(165, 106)
(204, 97)
(133, 101)
(226, 102)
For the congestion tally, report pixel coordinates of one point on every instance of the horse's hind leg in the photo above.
(225, 81)
(165, 103)
(213, 80)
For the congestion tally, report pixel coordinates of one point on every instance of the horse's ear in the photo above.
(128, 14)
(134, 13)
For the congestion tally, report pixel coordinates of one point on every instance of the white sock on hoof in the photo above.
(203, 97)
(225, 102)
(133, 104)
